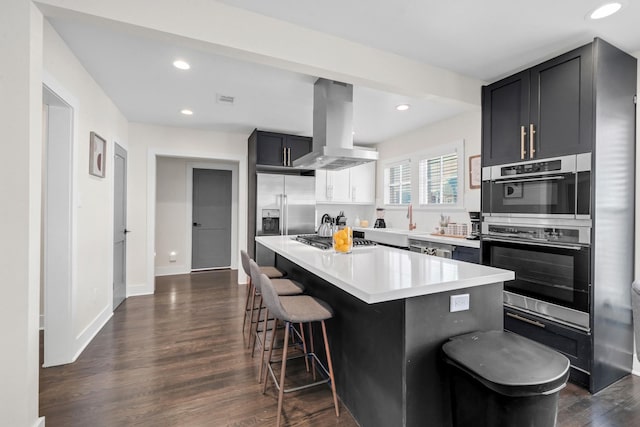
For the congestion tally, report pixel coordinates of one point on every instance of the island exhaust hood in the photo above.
(333, 130)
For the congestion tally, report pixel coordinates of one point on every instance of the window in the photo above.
(397, 183)
(439, 179)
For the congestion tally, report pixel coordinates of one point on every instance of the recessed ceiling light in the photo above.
(402, 107)
(186, 112)
(605, 10)
(180, 64)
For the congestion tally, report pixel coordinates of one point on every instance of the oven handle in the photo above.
(544, 178)
(553, 245)
(524, 319)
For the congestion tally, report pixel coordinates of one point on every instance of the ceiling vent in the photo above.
(225, 99)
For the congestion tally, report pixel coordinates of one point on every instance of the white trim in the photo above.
(172, 270)
(84, 338)
(39, 422)
(233, 167)
(152, 154)
(137, 290)
(60, 291)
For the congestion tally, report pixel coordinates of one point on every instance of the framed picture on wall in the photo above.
(474, 172)
(97, 154)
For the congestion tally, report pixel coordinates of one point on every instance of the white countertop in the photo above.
(400, 237)
(380, 273)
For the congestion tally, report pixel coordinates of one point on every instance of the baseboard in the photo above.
(137, 290)
(84, 338)
(42, 322)
(39, 422)
(172, 270)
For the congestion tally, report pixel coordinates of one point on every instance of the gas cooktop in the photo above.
(326, 243)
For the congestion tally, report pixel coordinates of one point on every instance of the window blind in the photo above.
(439, 180)
(397, 179)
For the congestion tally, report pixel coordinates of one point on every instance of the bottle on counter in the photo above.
(356, 222)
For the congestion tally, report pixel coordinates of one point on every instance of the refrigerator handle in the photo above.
(286, 214)
(280, 201)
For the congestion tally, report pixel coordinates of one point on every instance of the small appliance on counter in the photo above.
(379, 219)
(326, 226)
(475, 225)
(341, 220)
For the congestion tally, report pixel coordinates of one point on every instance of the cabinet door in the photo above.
(321, 186)
(505, 110)
(298, 146)
(338, 186)
(270, 149)
(561, 105)
(363, 183)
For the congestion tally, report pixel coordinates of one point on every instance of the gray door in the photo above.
(211, 229)
(119, 225)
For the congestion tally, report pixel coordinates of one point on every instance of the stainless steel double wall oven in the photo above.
(537, 222)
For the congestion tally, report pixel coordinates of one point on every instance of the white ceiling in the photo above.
(482, 39)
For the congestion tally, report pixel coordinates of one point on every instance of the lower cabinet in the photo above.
(573, 343)
(463, 253)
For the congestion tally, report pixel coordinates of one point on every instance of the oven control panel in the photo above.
(546, 234)
(549, 166)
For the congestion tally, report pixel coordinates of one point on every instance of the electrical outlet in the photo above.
(459, 303)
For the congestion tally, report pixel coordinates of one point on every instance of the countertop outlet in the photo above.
(459, 303)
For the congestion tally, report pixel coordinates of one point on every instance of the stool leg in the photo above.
(252, 309)
(313, 351)
(304, 346)
(333, 382)
(255, 331)
(246, 304)
(264, 342)
(273, 340)
(284, 367)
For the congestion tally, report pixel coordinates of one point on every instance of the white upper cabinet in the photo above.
(352, 185)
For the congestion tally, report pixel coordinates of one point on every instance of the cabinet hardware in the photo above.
(532, 132)
(524, 319)
(284, 156)
(289, 156)
(523, 152)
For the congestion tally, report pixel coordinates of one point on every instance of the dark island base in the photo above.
(387, 357)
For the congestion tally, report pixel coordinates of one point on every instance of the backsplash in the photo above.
(425, 221)
(366, 212)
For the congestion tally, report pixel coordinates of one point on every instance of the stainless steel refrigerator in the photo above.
(285, 205)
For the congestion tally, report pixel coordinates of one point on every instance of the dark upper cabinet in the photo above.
(277, 149)
(542, 112)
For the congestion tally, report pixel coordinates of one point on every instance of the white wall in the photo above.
(171, 211)
(20, 186)
(146, 142)
(93, 197)
(467, 127)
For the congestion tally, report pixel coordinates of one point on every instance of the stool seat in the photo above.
(270, 271)
(287, 287)
(304, 308)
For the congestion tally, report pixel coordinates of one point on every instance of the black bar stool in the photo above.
(301, 309)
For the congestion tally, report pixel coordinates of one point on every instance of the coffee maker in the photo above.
(475, 225)
(379, 219)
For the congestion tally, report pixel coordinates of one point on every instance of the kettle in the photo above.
(325, 226)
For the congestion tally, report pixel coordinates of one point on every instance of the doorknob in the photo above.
(126, 231)
(196, 224)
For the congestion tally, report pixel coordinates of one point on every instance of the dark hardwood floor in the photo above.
(177, 358)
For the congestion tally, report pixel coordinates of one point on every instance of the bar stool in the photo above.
(283, 287)
(301, 309)
(271, 272)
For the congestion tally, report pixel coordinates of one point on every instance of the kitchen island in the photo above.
(392, 315)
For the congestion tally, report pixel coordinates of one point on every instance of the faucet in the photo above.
(412, 225)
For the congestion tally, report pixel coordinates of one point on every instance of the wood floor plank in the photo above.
(178, 358)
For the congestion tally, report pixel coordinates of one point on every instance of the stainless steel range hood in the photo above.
(333, 130)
